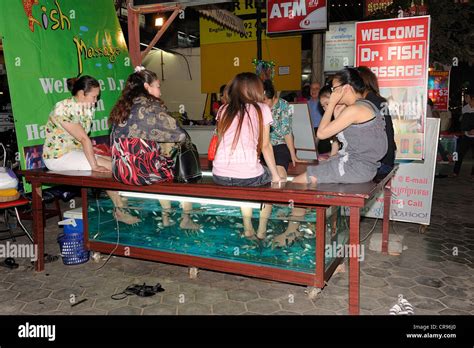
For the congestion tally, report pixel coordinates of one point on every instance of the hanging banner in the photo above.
(412, 186)
(438, 89)
(285, 16)
(397, 52)
(45, 43)
(339, 46)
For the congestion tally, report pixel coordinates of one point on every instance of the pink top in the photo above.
(242, 162)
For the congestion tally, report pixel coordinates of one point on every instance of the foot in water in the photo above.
(262, 232)
(250, 234)
(187, 223)
(127, 218)
(165, 218)
(288, 237)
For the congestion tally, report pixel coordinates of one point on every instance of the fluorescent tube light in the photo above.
(190, 199)
(207, 173)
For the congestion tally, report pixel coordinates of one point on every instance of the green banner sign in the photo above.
(47, 41)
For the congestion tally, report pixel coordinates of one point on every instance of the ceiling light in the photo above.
(159, 22)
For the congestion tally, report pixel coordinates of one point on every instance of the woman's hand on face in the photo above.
(100, 169)
(336, 96)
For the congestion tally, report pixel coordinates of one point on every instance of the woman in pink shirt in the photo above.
(243, 127)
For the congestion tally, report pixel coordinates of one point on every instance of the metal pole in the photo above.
(258, 5)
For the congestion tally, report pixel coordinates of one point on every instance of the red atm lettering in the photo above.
(288, 9)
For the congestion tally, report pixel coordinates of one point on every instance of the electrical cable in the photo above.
(118, 234)
(370, 232)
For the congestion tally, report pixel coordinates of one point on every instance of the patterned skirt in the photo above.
(139, 162)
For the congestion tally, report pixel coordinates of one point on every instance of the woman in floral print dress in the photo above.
(67, 145)
(144, 137)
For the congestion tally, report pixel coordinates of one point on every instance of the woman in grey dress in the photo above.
(359, 126)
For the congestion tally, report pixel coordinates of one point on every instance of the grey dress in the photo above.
(363, 146)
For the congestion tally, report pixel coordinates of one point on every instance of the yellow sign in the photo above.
(212, 33)
(221, 62)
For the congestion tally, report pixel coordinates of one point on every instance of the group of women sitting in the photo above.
(254, 129)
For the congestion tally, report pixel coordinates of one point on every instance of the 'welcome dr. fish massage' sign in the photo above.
(285, 16)
(47, 41)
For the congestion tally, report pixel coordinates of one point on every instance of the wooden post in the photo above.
(386, 216)
(354, 270)
(133, 36)
(38, 223)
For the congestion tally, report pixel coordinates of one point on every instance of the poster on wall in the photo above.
(45, 43)
(339, 46)
(412, 185)
(397, 50)
(438, 89)
(285, 16)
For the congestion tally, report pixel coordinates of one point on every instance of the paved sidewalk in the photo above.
(435, 274)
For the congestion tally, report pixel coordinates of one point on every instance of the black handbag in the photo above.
(187, 167)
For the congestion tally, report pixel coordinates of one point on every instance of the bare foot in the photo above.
(165, 218)
(188, 224)
(250, 234)
(262, 234)
(125, 217)
(288, 237)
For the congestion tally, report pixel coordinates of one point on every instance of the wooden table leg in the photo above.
(386, 217)
(354, 271)
(320, 244)
(38, 224)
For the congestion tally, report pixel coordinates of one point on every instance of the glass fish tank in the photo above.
(216, 231)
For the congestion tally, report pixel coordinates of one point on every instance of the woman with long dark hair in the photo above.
(67, 145)
(359, 126)
(372, 94)
(144, 137)
(243, 128)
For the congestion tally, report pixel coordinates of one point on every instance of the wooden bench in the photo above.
(318, 197)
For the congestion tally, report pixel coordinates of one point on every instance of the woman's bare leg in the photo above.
(165, 212)
(249, 231)
(186, 222)
(303, 179)
(265, 213)
(282, 172)
(120, 213)
(291, 233)
(297, 214)
(120, 204)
